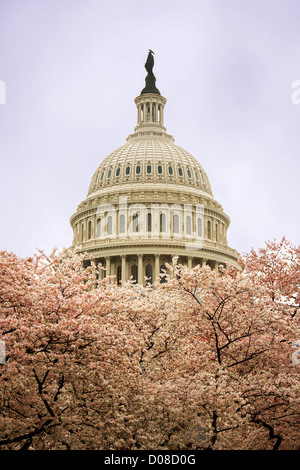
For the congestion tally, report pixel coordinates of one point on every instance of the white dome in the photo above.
(153, 159)
(150, 200)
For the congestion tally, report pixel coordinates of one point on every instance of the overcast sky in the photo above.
(70, 70)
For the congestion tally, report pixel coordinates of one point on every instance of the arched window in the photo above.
(135, 223)
(159, 169)
(138, 169)
(148, 273)
(199, 227)
(149, 222)
(99, 228)
(149, 169)
(90, 229)
(82, 232)
(180, 171)
(208, 229)
(122, 223)
(170, 170)
(109, 173)
(134, 272)
(188, 227)
(176, 223)
(109, 225)
(162, 223)
(163, 278)
(118, 172)
(189, 173)
(127, 171)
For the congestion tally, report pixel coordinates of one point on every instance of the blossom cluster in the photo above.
(201, 361)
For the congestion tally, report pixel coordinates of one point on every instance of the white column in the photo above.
(107, 266)
(156, 268)
(140, 270)
(86, 233)
(95, 226)
(113, 270)
(124, 271)
(101, 272)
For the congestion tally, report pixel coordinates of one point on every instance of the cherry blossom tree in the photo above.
(238, 357)
(277, 267)
(202, 361)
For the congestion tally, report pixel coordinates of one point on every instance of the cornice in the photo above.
(205, 250)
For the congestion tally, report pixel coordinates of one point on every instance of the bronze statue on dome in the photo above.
(150, 62)
(150, 79)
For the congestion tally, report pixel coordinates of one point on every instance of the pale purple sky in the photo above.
(72, 69)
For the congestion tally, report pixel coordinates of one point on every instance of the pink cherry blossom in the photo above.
(202, 361)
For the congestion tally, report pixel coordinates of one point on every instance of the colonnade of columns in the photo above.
(124, 266)
(150, 112)
(174, 224)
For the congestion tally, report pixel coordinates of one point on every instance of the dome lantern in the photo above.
(150, 104)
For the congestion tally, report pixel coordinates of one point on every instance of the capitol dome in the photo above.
(150, 159)
(150, 200)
